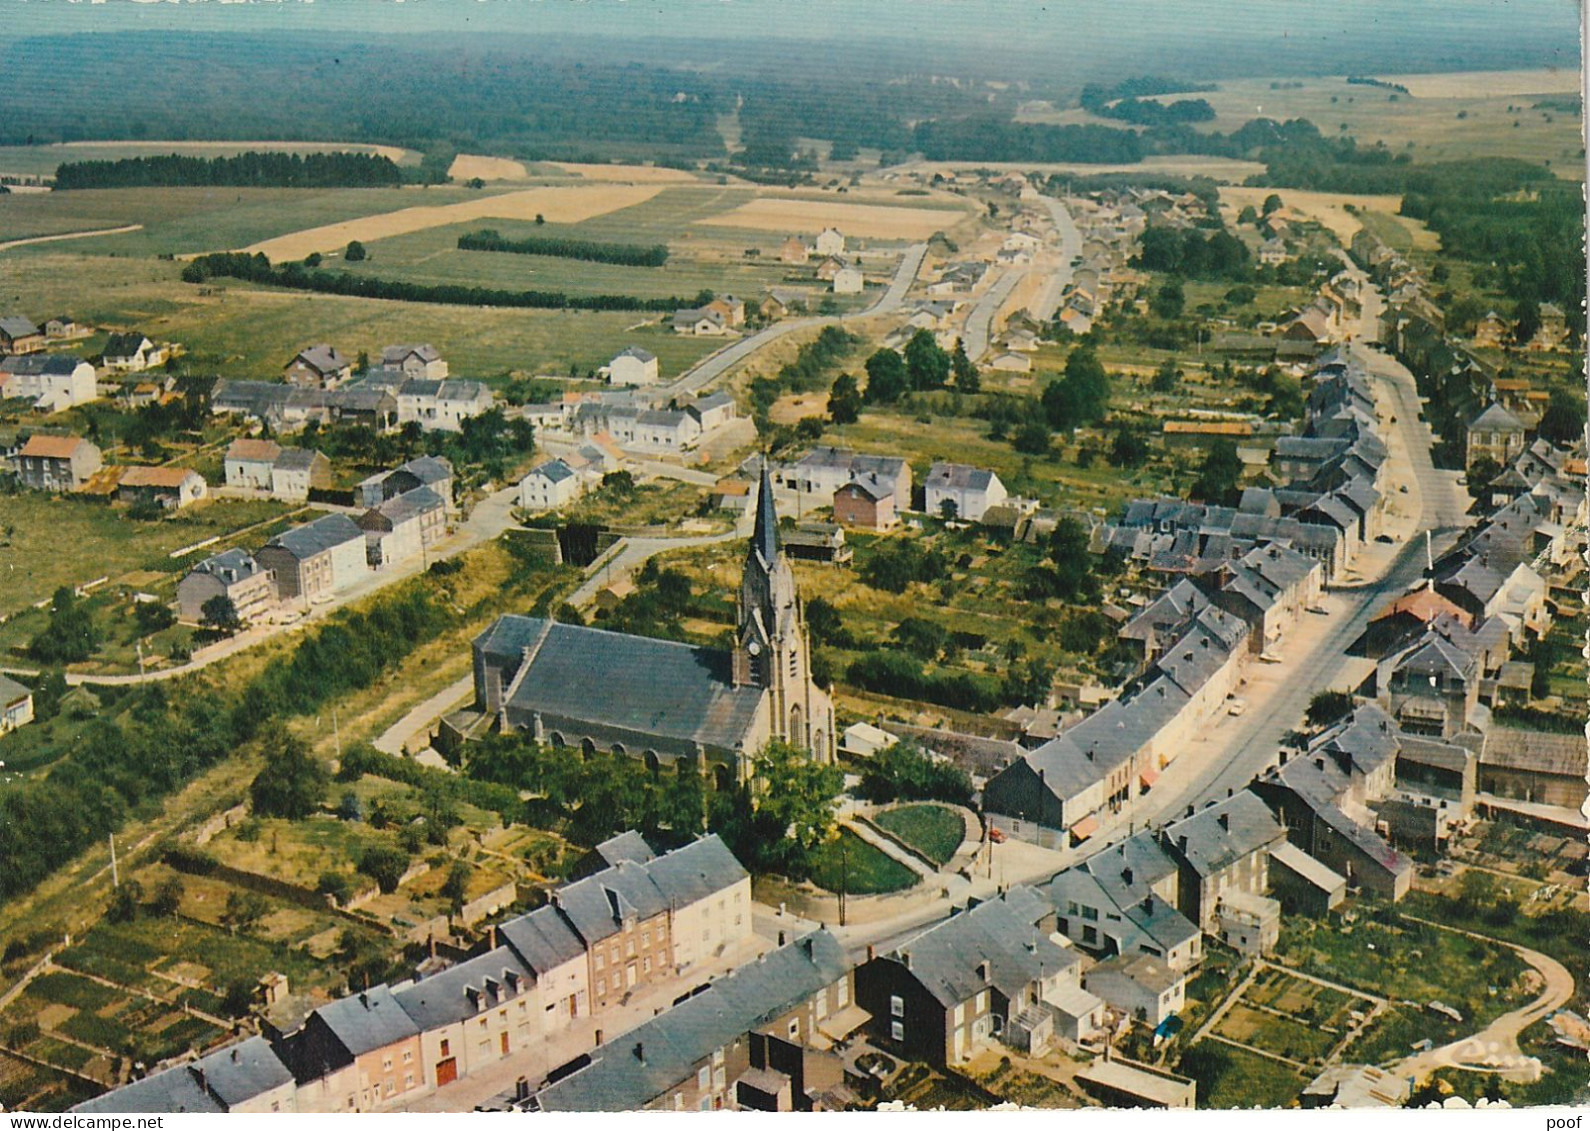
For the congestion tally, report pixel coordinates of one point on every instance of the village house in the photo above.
(1492, 332)
(824, 470)
(358, 1053)
(732, 309)
(56, 463)
(420, 362)
(434, 472)
(171, 487)
(732, 494)
(1272, 252)
(320, 367)
(1552, 333)
(867, 503)
(471, 1016)
(1222, 853)
(663, 430)
(248, 463)
(760, 1038)
(633, 366)
(1140, 986)
(441, 405)
(848, 280)
(63, 328)
(969, 490)
(793, 250)
(1122, 901)
(245, 1078)
(314, 562)
(988, 972)
(830, 242)
(1534, 767)
(403, 527)
(780, 302)
(549, 485)
(712, 412)
(1494, 434)
(16, 705)
(234, 574)
(296, 471)
(53, 382)
(818, 542)
(1011, 363)
(18, 335)
(131, 353)
(701, 321)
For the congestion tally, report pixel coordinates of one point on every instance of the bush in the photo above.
(385, 864)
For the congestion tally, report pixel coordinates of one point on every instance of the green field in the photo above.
(239, 331)
(47, 541)
(183, 221)
(932, 830)
(1236, 1078)
(860, 868)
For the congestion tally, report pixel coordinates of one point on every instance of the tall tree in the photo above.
(967, 378)
(887, 378)
(926, 363)
(293, 780)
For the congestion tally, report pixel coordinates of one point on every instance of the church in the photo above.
(660, 700)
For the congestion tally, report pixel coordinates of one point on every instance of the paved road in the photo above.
(491, 516)
(710, 369)
(979, 326)
(1048, 300)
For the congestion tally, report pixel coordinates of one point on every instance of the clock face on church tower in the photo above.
(754, 648)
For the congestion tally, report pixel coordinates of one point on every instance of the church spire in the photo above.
(764, 538)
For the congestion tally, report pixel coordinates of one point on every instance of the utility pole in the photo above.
(336, 735)
(115, 874)
(844, 878)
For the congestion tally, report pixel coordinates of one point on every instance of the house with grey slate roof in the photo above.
(473, 1015)
(987, 973)
(321, 367)
(971, 490)
(757, 1039)
(358, 1053)
(234, 574)
(403, 527)
(247, 1078)
(316, 561)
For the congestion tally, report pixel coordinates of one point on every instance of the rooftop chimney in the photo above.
(1181, 842)
(640, 1051)
(1319, 763)
(1225, 821)
(1126, 876)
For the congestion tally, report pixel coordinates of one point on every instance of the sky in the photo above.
(1429, 34)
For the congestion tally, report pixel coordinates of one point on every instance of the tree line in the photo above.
(245, 170)
(295, 276)
(563, 247)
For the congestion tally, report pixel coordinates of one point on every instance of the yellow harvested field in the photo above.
(566, 205)
(467, 166)
(1323, 207)
(878, 221)
(627, 174)
(1489, 84)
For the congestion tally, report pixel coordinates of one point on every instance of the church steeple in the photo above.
(771, 650)
(764, 538)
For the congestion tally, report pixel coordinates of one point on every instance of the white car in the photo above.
(1237, 707)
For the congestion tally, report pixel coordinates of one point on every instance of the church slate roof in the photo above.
(656, 687)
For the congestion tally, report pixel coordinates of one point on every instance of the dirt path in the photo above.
(9, 244)
(1495, 1047)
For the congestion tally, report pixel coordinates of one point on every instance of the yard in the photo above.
(37, 528)
(851, 863)
(933, 831)
(1230, 1077)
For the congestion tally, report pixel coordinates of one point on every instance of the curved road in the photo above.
(1491, 1048)
(695, 379)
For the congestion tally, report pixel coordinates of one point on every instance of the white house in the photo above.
(667, 430)
(131, 353)
(53, 382)
(549, 486)
(248, 463)
(441, 405)
(713, 411)
(16, 705)
(1011, 363)
(830, 242)
(848, 280)
(633, 366)
(971, 489)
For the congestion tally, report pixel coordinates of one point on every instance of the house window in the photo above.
(1090, 913)
(408, 1056)
(705, 1104)
(601, 962)
(386, 1064)
(446, 1045)
(483, 1022)
(896, 1006)
(408, 1080)
(645, 938)
(629, 947)
(1090, 935)
(704, 1078)
(897, 1030)
(794, 1030)
(601, 985)
(982, 1002)
(645, 965)
(844, 992)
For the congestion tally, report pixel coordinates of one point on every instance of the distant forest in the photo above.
(562, 247)
(246, 170)
(296, 276)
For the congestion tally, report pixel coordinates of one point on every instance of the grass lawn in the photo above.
(1280, 1035)
(240, 331)
(47, 541)
(932, 830)
(1241, 1079)
(859, 867)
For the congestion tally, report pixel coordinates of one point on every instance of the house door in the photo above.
(629, 975)
(504, 1044)
(574, 1005)
(446, 1071)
